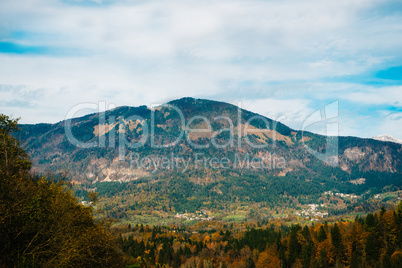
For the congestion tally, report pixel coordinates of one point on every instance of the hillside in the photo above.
(235, 157)
(41, 222)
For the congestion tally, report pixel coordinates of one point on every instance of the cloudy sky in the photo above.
(281, 58)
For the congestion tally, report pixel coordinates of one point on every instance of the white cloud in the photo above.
(290, 112)
(140, 52)
(391, 95)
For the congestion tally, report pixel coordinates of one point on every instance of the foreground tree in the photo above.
(41, 222)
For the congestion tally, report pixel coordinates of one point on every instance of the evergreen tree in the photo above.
(322, 235)
(356, 257)
(372, 249)
(336, 239)
(294, 245)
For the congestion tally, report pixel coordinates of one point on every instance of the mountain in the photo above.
(191, 154)
(387, 138)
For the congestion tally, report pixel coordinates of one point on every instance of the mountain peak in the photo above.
(388, 138)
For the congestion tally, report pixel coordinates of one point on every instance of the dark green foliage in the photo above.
(373, 247)
(294, 245)
(322, 235)
(259, 238)
(336, 239)
(307, 248)
(41, 222)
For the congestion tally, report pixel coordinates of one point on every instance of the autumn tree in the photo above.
(41, 222)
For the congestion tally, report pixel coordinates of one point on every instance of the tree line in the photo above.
(371, 241)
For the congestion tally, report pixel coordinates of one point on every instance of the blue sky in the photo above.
(284, 59)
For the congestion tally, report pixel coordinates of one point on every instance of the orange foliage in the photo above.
(269, 259)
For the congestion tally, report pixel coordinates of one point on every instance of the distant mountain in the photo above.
(387, 138)
(192, 153)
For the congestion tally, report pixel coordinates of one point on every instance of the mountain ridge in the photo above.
(381, 137)
(188, 106)
(387, 138)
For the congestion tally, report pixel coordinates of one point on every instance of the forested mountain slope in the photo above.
(193, 153)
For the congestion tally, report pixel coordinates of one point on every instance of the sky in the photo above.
(285, 59)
